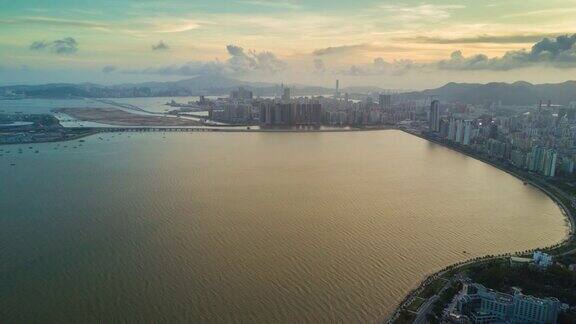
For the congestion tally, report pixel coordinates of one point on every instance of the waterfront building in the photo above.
(304, 112)
(483, 305)
(518, 158)
(542, 260)
(452, 129)
(385, 101)
(467, 132)
(542, 160)
(434, 116)
(286, 94)
(567, 165)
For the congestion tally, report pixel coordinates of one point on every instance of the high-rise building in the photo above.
(241, 94)
(467, 132)
(385, 101)
(291, 113)
(434, 116)
(459, 131)
(337, 91)
(483, 305)
(286, 94)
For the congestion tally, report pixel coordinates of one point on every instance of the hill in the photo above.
(517, 93)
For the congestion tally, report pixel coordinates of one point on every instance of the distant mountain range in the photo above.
(517, 93)
(200, 85)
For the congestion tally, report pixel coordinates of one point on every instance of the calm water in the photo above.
(254, 228)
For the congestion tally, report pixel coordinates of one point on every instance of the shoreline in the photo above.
(71, 138)
(195, 129)
(570, 238)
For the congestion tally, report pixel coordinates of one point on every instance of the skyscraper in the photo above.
(385, 101)
(467, 132)
(286, 94)
(337, 91)
(434, 118)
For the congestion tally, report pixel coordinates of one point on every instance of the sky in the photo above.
(401, 44)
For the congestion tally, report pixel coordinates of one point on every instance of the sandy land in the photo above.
(112, 116)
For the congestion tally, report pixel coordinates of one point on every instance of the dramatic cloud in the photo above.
(109, 69)
(556, 52)
(239, 63)
(252, 61)
(63, 46)
(160, 46)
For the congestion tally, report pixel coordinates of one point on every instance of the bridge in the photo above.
(156, 129)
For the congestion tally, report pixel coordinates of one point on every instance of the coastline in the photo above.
(58, 140)
(193, 129)
(567, 211)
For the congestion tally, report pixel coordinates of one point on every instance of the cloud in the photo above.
(240, 62)
(252, 61)
(555, 52)
(336, 50)
(191, 68)
(160, 46)
(494, 39)
(420, 13)
(50, 21)
(38, 45)
(319, 66)
(348, 49)
(176, 26)
(62, 46)
(109, 69)
(379, 66)
(283, 4)
(541, 13)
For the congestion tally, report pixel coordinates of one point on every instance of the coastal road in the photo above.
(424, 310)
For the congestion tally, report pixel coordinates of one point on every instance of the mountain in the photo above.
(517, 93)
(201, 85)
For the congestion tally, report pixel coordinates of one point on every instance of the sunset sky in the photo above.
(392, 44)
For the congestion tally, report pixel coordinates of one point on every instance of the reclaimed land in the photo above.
(431, 286)
(113, 116)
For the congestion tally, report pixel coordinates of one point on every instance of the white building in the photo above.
(542, 260)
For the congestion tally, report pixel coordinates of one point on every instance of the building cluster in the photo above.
(285, 109)
(483, 305)
(541, 140)
(297, 112)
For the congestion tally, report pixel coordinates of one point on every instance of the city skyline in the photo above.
(401, 44)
